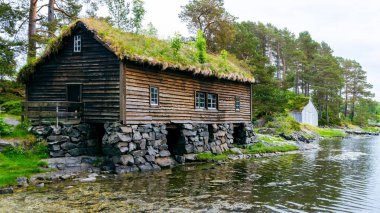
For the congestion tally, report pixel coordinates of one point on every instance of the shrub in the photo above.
(12, 107)
(224, 57)
(176, 44)
(284, 124)
(200, 44)
(5, 129)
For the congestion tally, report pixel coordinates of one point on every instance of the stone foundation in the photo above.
(145, 147)
(214, 138)
(137, 147)
(69, 140)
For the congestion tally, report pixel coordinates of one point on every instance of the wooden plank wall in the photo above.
(96, 68)
(176, 98)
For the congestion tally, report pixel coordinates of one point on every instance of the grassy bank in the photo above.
(18, 161)
(256, 148)
(19, 132)
(371, 129)
(323, 132)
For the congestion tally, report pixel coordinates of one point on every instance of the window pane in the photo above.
(77, 43)
(200, 100)
(154, 96)
(237, 103)
(211, 101)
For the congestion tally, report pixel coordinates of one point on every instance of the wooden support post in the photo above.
(57, 110)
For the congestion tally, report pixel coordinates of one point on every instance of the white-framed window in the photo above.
(237, 103)
(154, 96)
(212, 100)
(200, 100)
(77, 43)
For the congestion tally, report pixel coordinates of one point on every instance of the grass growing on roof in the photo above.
(17, 161)
(150, 50)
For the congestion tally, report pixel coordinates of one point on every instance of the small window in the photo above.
(212, 100)
(237, 104)
(153, 96)
(77, 44)
(200, 101)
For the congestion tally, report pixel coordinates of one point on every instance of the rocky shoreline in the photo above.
(91, 168)
(86, 168)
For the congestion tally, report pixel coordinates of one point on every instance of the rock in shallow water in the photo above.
(7, 190)
(88, 179)
(22, 181)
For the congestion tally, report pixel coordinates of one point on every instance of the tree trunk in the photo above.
(346, 104)
(278, 61)
(353, 111)
(327, 110)
(32, 30)
(284, 67)
(51, 17)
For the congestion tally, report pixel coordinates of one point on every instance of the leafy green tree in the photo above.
(201, 46)
(251, 45)
(326, 84)
(212, 19)
(366, 111)
(355, 86)
(176, 44)
(9, 46)
(149, 30)
(124, 17)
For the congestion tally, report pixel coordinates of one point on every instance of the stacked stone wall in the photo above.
(137, 147)
(143, 147)
(215, 138)
(69, 140)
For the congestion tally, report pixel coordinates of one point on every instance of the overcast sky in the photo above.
(350, 27)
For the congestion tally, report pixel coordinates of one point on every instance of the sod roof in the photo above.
(147, 50)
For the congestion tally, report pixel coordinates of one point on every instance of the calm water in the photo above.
(343, 176)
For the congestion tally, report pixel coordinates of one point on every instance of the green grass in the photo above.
(271, 139)
(12, 107)
(371, 129)
(6, 115)
(211, 157)
(17, 162)
(324, 132)
(18, 132)
(261, 148)
(207, 156)
(284, 124)
(252, 149)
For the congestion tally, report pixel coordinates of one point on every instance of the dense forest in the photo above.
(288, 68)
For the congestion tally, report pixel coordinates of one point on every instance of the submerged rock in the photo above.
(88, 179)
(7, 190)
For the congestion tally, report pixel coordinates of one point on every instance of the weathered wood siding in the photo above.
(177, 97)
(96, 68)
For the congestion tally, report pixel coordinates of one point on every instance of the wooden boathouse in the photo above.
(95, 74)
